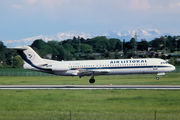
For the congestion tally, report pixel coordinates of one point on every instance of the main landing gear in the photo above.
(92, 80)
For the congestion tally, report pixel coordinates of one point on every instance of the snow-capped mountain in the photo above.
(148, 34)
(58, 37)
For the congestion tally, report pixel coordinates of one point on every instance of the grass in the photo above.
(20, 72)
(90, 104)
(13, 77)
(168, 79)
(130, 104)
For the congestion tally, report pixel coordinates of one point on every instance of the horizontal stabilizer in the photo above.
(19, 48)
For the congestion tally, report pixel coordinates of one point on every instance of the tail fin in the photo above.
(29, 56)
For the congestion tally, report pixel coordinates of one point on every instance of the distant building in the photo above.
(150, 48)
(48, 56)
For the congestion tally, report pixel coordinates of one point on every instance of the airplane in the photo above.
(32, 61)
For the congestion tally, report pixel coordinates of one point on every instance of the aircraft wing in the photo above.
(88, 72)
(94, 70)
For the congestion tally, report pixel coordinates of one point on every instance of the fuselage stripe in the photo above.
(128, 67)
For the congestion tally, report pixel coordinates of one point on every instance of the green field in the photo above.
(168, 79)
(90, 104)
(9, 76)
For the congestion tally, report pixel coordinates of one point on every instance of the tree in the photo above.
(2, 52)
(99, 44)
(116, 55)
(143, 45)
(54, 46)
(132, 44)
(169, 41)
(46, 49)
(41, 47)
(9, 53)
(125, 51)
(17, 62)
(82, 40)
(118, 46)
(39, 44)
(69, 48)
(62, 54)
(172, 61)
(155, 44)
(75, 40)
(85, 48)
(115, 44)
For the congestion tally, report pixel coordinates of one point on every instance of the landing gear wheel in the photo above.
(157, 78)
(92, 80)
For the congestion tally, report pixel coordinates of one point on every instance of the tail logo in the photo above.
(30, 56)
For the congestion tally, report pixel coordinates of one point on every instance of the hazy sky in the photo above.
(27, 18)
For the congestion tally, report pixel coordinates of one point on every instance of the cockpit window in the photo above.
(164, 62)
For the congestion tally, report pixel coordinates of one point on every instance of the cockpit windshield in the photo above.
(165, 62)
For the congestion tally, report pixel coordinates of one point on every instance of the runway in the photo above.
(89, 87)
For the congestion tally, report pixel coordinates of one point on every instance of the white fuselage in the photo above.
(105, 67)
(93, 67)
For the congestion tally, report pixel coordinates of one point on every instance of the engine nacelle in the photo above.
(60, 67)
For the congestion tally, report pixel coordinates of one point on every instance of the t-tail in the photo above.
(32, 60)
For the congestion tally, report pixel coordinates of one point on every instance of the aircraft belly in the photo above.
(110, 71)
(133, 71)
(67, 73)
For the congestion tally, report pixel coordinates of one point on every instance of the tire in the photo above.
(91, 81)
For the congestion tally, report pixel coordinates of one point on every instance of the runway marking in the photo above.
(89, 87)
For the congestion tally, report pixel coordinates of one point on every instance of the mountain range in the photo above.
(148, 34)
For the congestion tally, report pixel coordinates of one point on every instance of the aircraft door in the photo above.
(155, 66)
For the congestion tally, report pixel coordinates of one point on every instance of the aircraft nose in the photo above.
(173, 68)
